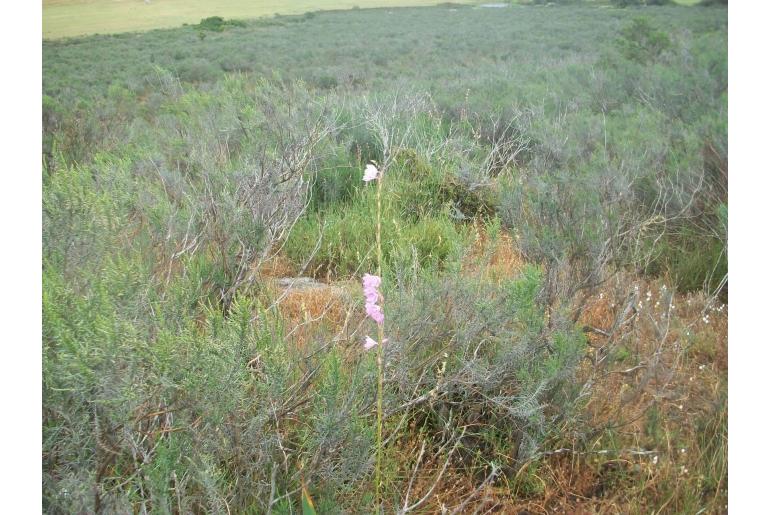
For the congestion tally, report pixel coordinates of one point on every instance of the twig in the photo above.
(491, 477)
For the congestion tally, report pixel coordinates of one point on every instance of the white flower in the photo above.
(370, 172)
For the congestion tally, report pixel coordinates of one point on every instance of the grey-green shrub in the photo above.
(483, 357)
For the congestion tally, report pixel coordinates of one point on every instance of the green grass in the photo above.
(431, 242)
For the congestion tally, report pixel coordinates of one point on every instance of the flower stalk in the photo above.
(375, 312)
(381, 339)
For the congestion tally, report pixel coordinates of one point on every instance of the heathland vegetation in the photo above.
(553, 205)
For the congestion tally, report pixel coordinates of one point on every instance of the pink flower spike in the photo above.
(370, 173)
(369, 343)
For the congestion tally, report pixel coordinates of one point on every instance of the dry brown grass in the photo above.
(657, 391)
(277, 265)
(492, 259)
(317, 311)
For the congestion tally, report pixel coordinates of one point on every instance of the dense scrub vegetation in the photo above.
(538, 171)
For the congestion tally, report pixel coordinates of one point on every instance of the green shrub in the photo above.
(236, 63)
(641, 41)
(140, 363)
(218, 24)
(425, 190)
(213, 23)
(326, 82)
(490, 361)
(197, 70)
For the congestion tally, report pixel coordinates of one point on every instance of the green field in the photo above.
(552, 220)
(70, 18)
(67, 18)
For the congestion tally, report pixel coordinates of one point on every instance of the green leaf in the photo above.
(307, 503)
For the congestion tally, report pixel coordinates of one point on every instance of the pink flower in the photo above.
(369, 343)
(375, 312)
(370, 173)
(371, 285)
(371, 281)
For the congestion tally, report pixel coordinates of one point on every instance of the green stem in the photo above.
(381, 337)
